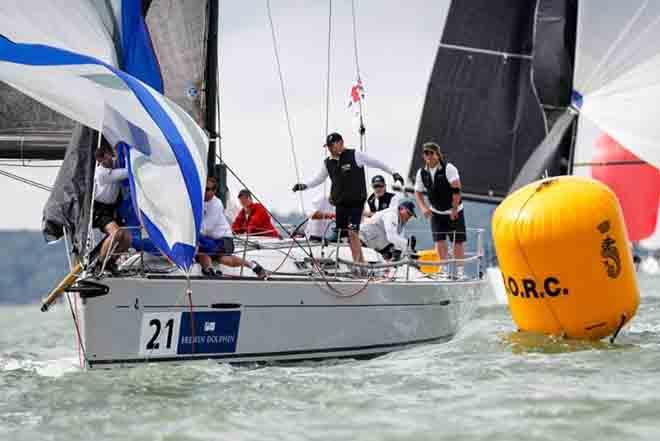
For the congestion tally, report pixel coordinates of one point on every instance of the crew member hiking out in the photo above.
(348, 192)
(441, 183)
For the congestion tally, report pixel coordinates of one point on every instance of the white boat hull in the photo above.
(150, 319)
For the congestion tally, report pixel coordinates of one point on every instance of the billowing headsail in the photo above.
(482, 105)
(617, 94)
(49, 50)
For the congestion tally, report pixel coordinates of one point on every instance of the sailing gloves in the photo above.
(398, 178)
(299, 187)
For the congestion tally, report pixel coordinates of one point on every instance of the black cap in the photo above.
(332, 138)
(378, 179)
(244, 192)
(431, 146)
(408, 205)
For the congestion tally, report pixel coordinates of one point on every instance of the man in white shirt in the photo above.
(106, 199)
(348, 192)
(216, 239)
(441, 183)
(384, 230)
(321, 217)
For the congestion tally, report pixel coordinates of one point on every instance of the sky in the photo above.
(397, 42)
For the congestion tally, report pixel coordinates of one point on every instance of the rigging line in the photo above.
(301, 246)
(256, 198)
(286, 106)
(327, 85)
(25, 180)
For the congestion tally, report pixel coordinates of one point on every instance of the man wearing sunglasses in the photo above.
(217, 239)
(348, 191)
(380, 199)
(440, 181)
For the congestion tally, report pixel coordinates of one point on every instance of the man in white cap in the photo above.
(348, 192)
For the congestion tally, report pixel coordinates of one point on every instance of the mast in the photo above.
(211, 81)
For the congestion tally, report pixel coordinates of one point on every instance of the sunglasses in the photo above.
(378, 186)
(428, 152)
(210, 188)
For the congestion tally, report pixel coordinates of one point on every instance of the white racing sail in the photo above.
(617, 92)
(62, 54)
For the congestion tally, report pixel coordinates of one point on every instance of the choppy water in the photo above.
(486, 384)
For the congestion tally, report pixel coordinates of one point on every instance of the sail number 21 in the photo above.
(160, 333)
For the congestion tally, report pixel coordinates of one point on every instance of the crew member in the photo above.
(440, 181)
(383, 232)
(348, 192)
(380, 199)
(253, 218)
(217, 240)
(108, 180)
(320, 218)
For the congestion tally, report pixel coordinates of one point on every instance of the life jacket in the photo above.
(439, 189)
(385, 201)
(348, 186)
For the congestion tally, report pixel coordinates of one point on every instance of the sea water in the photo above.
(489, 383)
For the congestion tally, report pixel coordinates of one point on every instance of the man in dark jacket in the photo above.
(348, 192)
(440, 181)
(380, 199)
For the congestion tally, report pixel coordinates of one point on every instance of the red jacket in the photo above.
(256, 224)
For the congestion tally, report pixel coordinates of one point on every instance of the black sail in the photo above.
(29, 130)
(482, 105)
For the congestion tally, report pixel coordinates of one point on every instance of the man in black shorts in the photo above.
(108, 180)
(348, 192)
(440, 181)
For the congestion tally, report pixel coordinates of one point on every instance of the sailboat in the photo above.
(550, 87)
(125, 75)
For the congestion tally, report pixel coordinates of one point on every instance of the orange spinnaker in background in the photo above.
(636, 186)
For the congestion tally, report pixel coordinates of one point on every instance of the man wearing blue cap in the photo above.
(348, 192)
(383, 231)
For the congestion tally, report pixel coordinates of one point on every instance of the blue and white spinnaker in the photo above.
(62, 54)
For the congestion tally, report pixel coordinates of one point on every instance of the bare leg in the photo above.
(204, 260)
(356, 247)
(114, 237)
(235, 261)
(459, 250)
(441, 249)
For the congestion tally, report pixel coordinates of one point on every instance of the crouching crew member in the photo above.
(348, 192)
(108, 180)
(383, 232)
(217, 239)
(441, 183)
(380, 199)
(253, 219)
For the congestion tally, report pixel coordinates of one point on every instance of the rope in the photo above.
(81, 347)
(25, 181)
(285, 103)
(327, 77)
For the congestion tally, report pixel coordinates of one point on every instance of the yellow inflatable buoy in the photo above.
(428, 256)
(563, 250)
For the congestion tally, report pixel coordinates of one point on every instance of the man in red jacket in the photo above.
(253, 218)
